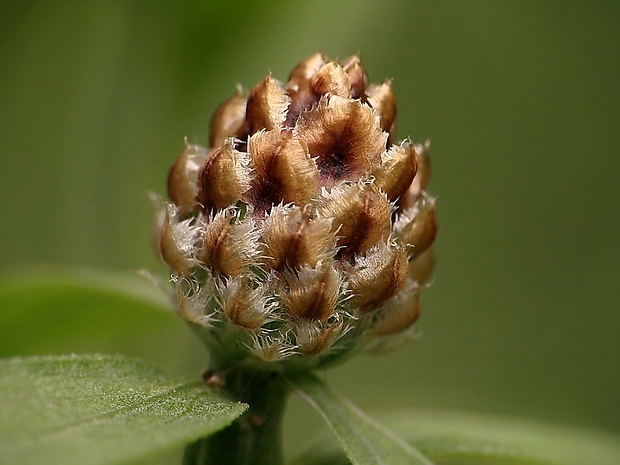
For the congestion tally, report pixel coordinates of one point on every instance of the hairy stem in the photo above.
(255, 438)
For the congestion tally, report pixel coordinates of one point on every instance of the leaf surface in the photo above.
(364, 441)
(98, 409)
(457, 438)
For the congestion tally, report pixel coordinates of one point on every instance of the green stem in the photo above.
(255, 438)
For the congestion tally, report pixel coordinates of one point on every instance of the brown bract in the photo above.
(299, 87)
(331, 78)
(417, 226)
(283, 172)
(303, 72)
(223, 178)
(229, 247)
(378, 275)
(357, 77)
(294, 238)
(423, 175)
(360, 214)
(421, 266)
(312, 292)
(183, 177)
(400, 312)
(267, 104)
(314, 338)
(244, 305)
(177, 243)
(397, 170)
(344, 135)
(228, 120)
(381, 99)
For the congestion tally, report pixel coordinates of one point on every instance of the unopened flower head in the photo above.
(302, 232)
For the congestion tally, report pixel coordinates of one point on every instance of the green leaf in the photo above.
(95, 410)
(457, 438)
(364, 441)
(70, 310)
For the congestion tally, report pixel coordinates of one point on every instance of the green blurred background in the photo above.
(520, 98)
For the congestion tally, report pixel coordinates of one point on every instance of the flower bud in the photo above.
(303, 233)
